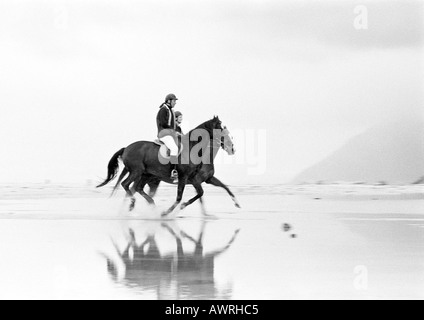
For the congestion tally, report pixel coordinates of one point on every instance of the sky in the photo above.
(292, 80)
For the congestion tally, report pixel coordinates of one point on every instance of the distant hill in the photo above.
(420, 181)
(390, 153)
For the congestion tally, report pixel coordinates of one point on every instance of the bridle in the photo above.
(219, 141)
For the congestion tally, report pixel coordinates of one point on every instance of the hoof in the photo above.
(183, 206)
(236, 203)
(132, 205)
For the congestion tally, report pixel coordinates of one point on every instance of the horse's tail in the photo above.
(121, 177)
(112, 168)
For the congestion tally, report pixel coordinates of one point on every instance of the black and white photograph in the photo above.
(236, 151)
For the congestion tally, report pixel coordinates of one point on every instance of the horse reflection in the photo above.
(179, 275)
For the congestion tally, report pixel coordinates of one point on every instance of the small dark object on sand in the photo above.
(286, 227)
(294, 236)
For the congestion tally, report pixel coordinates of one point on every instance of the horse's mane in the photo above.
(206, 125)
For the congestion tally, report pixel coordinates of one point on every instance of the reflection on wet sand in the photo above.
(180, 274)
(292, 247)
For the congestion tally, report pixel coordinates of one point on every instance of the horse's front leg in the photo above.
(202, 206)
(180, 249)
(181, 186)
(200, 193)
(217, 183)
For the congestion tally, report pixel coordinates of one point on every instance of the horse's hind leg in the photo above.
(134, 175)
(154, 185)
(140, 189)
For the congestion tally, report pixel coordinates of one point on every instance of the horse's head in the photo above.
(220, 134)
(224, 136)
(227, 142)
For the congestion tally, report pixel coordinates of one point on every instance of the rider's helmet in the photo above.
(178, 114)
(170, 96)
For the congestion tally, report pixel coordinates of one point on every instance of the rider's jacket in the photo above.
(165, 121)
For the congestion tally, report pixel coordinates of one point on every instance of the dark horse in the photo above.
(143, 164)
(207, 172)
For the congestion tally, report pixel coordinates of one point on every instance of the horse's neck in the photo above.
(215, 147)
(187, 143)
(204, 144)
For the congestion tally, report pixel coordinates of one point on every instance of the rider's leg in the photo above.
(172, 146)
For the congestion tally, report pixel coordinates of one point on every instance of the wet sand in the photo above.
(303, 242)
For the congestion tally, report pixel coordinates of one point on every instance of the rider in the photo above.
(167, 125)
(179, 120)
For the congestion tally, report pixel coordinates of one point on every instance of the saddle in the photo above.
(164, 152)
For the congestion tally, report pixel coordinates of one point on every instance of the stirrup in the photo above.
(174, 176)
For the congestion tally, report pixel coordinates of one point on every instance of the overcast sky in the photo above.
(80, 79)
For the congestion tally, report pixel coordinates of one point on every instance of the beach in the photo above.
(70, 241)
